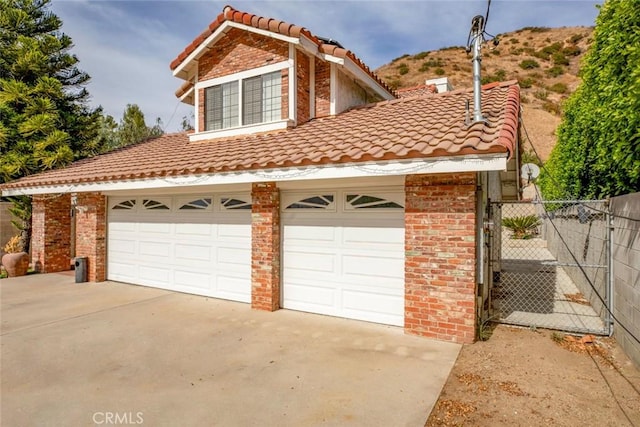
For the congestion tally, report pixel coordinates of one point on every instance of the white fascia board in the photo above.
(187, 94)
(218, 33)
(457, 164)
(308, 45)
(333, 89)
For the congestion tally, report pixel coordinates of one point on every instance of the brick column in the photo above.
(440, 250)
(265, 247)
(91, 234)
(51, 233)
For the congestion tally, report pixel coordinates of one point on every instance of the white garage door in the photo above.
(193, 244)
(343, 254)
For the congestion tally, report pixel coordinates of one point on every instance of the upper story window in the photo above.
(261, 102)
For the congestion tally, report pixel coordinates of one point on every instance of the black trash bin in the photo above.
(81, 270)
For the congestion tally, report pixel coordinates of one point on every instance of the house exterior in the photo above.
(308, 184)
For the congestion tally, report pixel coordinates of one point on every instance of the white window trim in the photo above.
(278, 66)
(395, 197)
(241, 130)
(295, 197)
(183, 200)
(238, 196)
(239, 77)
(292, 82)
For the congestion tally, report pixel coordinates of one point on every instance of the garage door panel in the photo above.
(199, 250)
(309, 263)
(155, 249)
(234, 232)
(126, 226)
(302, 296)
(302, 234)
(232, 287)
(193, 229)
(155, 228)
(192, 279)
(191, 252)
(373, 268)
(123, 246)
(380, 237)
(374, 307)
(155, 274)
(231, 255)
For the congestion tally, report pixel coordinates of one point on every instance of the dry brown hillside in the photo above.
(545, 61)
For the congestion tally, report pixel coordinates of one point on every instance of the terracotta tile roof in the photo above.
(416, 90)
(276, 26)
(407, 128)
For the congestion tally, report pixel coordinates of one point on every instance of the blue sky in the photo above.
(126, 46)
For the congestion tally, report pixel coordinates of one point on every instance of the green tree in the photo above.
(598, 150)
(133, 128)
(45, 122)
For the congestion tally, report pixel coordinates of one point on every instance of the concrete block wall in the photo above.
(585, 234)
(626, 272)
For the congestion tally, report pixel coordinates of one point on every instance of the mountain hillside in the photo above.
(545, 61)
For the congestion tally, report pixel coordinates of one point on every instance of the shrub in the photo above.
(542, 55)
(523, 227)
(552, 108)
(555, 71)
(560, 59)
(455, 67)
(393, 83)
(13, 245)
(576, 38)
(541, 94)
(495, 52)
(421, 55)
(439, 72)
(529, 64)
(526, 83)
(524, 99)
(514, 40)
(552, 48)
(572, 50)
(400, 57)
(558, 88)
(403, 69)
(537, 29)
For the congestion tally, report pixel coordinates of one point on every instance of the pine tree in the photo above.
(45, 121)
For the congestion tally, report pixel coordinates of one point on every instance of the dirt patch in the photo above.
(536, 377)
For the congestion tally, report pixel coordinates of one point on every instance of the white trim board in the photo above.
(495, 162)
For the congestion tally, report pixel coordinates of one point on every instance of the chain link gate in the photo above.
(550, 264)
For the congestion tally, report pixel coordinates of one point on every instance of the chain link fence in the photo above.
(550, 265)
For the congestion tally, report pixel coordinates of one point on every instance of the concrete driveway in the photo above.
(109, 353)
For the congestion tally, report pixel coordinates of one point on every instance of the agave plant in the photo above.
(523, 227)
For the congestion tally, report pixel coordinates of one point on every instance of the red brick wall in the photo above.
(51, 233)
(323, 88)
(284, 108)
(440, 251)
(302, 73)
(265, 247)
(238, 51)
(91, 234)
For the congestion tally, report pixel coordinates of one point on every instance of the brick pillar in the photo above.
(51, 233)
(440, 251)
(91, 234)
(265, 247)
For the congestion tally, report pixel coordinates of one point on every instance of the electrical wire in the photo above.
(486, 15)
(610, 388)
(622, 325)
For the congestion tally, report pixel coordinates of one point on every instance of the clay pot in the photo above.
(16, 264)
